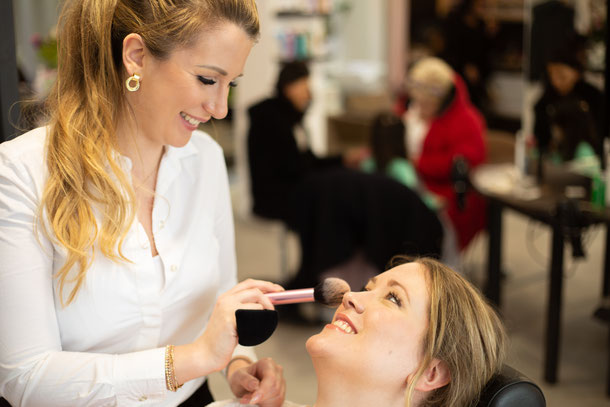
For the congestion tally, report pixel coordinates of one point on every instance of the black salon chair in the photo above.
(510, 388)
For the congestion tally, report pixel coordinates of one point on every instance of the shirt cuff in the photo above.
(140, 376)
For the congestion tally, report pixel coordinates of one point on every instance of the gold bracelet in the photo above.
(169, 383)
(170, 375)
(244, 358)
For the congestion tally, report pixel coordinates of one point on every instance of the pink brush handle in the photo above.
(291, 296)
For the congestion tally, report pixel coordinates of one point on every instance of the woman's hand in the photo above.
(213, 349)
(261, 383)
(220, 336)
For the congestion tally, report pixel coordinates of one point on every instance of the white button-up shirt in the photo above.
(107, 347)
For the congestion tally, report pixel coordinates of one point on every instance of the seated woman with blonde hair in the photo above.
(417, 335)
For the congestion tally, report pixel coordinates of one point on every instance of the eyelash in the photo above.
(207, 81)
(390, 296)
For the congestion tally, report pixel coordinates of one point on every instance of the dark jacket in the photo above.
(277, 166)
(582, 92)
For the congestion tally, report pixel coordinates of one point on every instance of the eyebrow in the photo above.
(394, 283)
(391, 283)
(214, 68)
(219, 70)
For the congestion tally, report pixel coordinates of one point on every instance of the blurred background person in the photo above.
(564, 86)
(573, 136)
(389, 156)
(469, 36)
(279, 156)
(442, 125)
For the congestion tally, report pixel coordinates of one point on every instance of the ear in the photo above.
(435, 376)
(133, 53)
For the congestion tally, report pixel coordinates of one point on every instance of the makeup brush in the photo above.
(329, 292)
(255, 326)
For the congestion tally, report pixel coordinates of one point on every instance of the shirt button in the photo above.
(173, 268)
(143, 398)
(161, 224)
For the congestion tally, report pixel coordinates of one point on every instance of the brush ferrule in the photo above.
(291, 296)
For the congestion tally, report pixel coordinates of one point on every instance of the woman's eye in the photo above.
(394, 298)
(232, 84)
(206, 81)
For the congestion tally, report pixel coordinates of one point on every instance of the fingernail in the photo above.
(255, 399)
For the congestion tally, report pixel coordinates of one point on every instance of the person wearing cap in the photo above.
(564, 84)
(442, 125)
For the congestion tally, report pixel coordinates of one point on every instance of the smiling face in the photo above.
(188, 87)
(376, 335)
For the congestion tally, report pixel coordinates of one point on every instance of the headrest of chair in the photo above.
(510, 388)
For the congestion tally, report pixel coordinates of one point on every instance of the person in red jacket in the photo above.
(443, 125)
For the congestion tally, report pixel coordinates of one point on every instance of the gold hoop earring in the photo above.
(133, 78)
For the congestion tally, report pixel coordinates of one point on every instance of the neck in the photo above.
(145, 154)
(338, 390)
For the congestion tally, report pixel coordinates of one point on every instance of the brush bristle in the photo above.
(330, 291)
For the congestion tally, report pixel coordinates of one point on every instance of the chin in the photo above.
(315, 345)
(180, 141)
(323, 345)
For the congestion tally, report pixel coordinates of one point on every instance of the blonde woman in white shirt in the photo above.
(118, 272)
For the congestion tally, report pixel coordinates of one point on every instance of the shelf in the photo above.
(308, 60)
(301, 14)
(508, 11)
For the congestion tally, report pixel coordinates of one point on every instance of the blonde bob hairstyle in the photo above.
(463, 331)
(84, 175)
(432, 77)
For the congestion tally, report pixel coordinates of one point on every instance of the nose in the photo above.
(217, 105)
(354, 301)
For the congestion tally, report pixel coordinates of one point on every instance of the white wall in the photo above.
(362, 33)
(362, 46)
(257, 83)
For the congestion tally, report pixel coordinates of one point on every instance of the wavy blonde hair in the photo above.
(84, 176)
(463, 331)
